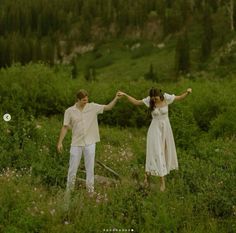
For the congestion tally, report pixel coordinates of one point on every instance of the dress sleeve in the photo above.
(169, 98)
(146, 101)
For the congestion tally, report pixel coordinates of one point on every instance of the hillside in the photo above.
(50, 31)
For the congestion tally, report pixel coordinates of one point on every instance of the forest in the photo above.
(48, 31)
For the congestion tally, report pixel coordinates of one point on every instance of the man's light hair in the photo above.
(81, 94)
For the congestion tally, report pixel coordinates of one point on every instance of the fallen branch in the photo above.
(109, 169)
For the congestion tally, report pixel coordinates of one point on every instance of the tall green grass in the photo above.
(200, 196)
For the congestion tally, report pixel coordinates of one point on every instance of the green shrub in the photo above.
(224, 125)
(103, 61)
(16, 134)
(141, 51)
(36, 88)
(206, 110)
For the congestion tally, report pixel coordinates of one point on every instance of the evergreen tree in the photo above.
(36, 50)
(48, 52)
(26, 51)
(85, 31)
(207, 34)
(151, 74)
(74, 70)
(182, 57)
(3, 51)
(90, 73)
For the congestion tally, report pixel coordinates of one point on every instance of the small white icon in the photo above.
(7, 117)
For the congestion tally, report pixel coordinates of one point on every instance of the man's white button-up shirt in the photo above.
(84, 124)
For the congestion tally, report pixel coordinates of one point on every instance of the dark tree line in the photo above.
(32, 30)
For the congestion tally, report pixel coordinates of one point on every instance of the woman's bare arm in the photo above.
(182, 96)
(131, 99)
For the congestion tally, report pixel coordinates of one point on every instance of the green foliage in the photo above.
(151, 74)
(199, 197)
(74, 70)
(27, 35)
(205, 111)
(224, 125)
(172, 21)
(182, 56)
(90, 73)
(35, 88)
(208, 34)
(142, 50)
(14, 214)
(103, 61)
(212, 102)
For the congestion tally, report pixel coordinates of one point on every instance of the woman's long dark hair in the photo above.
(154, 92)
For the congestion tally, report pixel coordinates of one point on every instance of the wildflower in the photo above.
(52, 212)
(98, 200)
(38, 126)
(105, 198)
(234, 210)
(220, 183)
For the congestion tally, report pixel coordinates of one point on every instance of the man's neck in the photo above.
(80, 106)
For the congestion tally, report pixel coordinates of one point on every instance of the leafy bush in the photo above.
(183, 124)
(16, 134)
(205, 110)
(103, 61)
(224, 125)
(141, 51)
(36, 88)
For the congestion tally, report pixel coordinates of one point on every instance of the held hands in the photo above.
(121, 94)
(189, 90)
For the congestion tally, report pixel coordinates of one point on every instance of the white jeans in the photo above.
(75, 157)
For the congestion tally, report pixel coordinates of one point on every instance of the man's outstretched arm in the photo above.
(112, 103)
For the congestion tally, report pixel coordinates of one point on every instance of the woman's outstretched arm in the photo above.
(130, 98)
(182, 96)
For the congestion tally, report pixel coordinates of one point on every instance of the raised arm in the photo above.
(131, 99)
(183, 95)
(112, 103)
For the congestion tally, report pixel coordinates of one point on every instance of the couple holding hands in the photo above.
(81, 118)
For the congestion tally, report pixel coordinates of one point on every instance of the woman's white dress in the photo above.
(161, 155)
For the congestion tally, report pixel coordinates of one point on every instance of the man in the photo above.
(82, 119)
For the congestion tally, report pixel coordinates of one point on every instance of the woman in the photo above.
(161, 155)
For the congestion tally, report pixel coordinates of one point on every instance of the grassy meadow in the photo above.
(200, 196)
